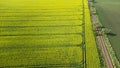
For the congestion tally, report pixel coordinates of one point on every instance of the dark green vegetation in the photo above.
(109, 15)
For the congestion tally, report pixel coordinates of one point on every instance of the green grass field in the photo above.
(109, 13)
(46, 33)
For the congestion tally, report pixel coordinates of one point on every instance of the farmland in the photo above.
(47, 33)
(109, 13)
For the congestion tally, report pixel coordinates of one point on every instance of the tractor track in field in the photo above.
(100, 39)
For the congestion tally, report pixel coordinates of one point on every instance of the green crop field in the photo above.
(109, 13)
(47, 34)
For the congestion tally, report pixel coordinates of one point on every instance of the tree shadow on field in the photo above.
(95, 2)
(111, 34)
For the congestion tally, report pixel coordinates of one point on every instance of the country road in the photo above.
(101, 39)
(105, 52)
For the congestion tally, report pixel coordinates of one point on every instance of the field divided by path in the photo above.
(46, 33)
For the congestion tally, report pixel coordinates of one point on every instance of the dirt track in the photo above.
(101, 41)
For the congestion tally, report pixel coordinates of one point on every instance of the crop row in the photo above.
(35, 56)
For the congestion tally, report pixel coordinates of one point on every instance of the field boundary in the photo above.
(114, 60)
(101, 57)
(99, 38)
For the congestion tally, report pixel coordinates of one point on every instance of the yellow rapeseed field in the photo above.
(46, 33)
